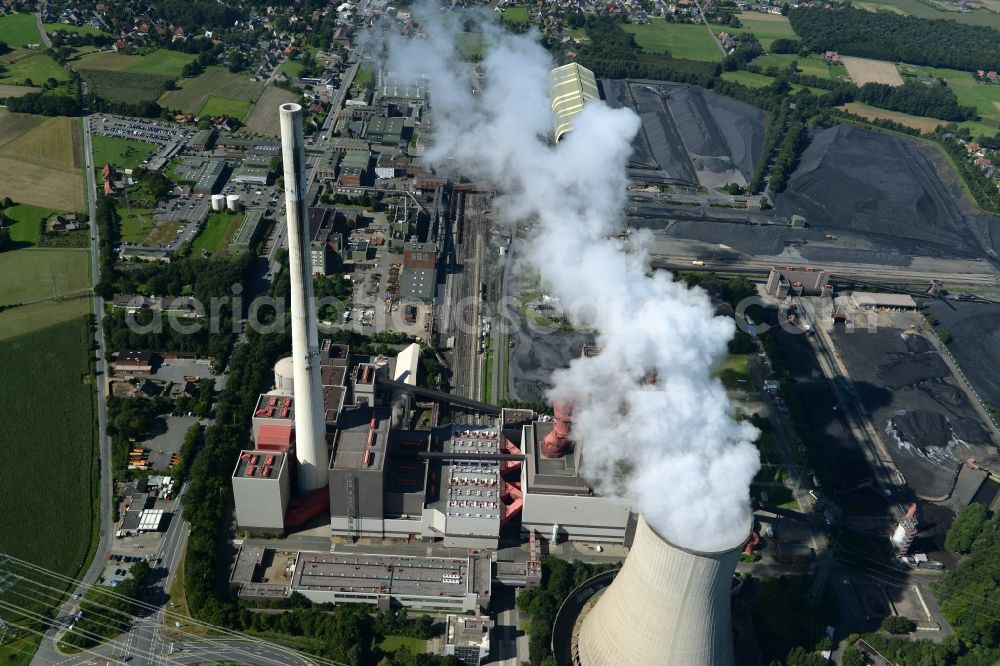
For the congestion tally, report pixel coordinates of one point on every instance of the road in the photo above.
(46, 42)
(47, 653)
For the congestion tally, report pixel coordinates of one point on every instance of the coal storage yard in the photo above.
(926, 419)
(689, 134)
(888, 190)
(975, 343)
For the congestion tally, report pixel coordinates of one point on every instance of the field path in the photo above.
(41, 31)
(715, 38)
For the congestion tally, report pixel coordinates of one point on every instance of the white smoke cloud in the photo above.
(672, 448)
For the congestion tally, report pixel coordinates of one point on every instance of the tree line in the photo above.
(893, 37)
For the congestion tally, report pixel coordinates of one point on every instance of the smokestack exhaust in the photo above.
(310, 429)
(668, 605)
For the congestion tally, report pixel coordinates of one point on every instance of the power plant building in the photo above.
(261, 491)
(667, 605)
(798, 281)
(558, 499)
(249, 232)
(570, 88)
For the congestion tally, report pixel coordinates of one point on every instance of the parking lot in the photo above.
(168, 138)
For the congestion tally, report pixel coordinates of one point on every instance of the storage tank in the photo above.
(233, 202)
(284, 375)
(218, 202)
(668, 605)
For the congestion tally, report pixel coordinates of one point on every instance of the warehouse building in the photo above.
(385, 131)
(876, 301)
(253, 171)
(354, 168)
(418, 284)
(261, 491)
(209, 177)
(570, 87)
(249, 232)
(202, 139)
(134, 363)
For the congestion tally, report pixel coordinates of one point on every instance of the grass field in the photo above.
(122, 86)
(813, 65)
(393, 643)
(983, 96)
(692, 41)
(766, 27)
(50, 366)
(515, 14)
(19, 30)
(40, 161)
(120, 153)
(735, 373)
(366, 72)
(217, 81)
(37, 68)
(136, 223)
(27, 222)
(291, 68)
(263, 117)
(471, 45)
(221, 106)
(63, 27)
(28, 318)
(28, 275)
(216, 233)
(161, 62)
(919, 9)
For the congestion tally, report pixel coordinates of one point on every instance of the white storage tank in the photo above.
(218, 202)
(284, 373)
(233, 202)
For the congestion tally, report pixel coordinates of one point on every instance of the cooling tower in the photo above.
(668, 605)
(310, 428)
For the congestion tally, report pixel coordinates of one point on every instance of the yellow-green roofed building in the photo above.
(570, 87)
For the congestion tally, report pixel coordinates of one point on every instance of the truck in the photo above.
(697, 262)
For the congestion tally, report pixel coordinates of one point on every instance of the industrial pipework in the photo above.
(557, 441)
(310, 429)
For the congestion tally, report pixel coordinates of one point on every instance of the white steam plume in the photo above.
(672, 448)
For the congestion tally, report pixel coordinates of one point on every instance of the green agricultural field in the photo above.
(216, 233)
(921, 10)
(766, 27)
(34, 274)
(749, 79)
(217, 81)
(40, 160)
(18, 30)
(515, 14)
(923, 123)
(162, 62)
(263, 118)
(119, 153)
(122, 86)
(50, 366)
(220, 106)
(970, 92)
(27, 222)
(692, 41)
(813, 65)
(79, 29)
(36, 68)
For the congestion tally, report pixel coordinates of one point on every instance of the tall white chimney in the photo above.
(668, 605)
(310, 428)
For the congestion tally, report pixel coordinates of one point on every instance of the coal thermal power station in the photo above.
(668, 605)
(310, 427)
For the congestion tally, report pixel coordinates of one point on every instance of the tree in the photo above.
(898, 624)
(852, 657)
(966, 527)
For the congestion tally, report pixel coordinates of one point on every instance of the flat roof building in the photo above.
(457, 584)
(570, 87)
(418, 284)
(253, 171)
(209, 178)
(468, 639)
(261, 490)
(135, 363)
(879, 301)
(202, 139)
(249, 232)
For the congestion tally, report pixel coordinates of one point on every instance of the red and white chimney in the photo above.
(556, 442)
